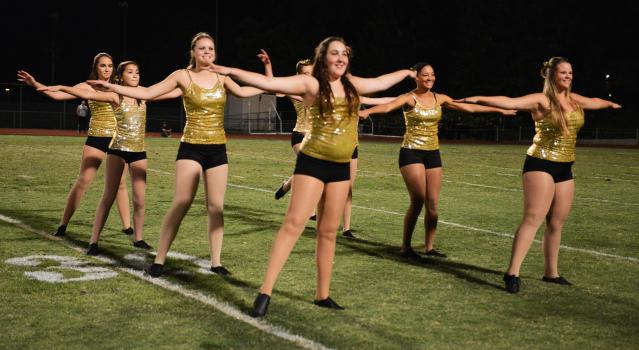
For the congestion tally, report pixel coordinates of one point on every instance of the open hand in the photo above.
(26, 78)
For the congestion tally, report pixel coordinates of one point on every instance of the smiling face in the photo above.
(131, 75)
(563, 76)
(104, 68)
(336, 59)
(203, 52)
(425, 78)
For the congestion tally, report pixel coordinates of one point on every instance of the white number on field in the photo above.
(54, 274)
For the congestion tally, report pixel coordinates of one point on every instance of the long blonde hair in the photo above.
(197, 37)
(548, 72)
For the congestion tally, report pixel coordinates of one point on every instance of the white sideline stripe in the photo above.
(503, 174)
(227, 309)
(223, 307)
(502, 234)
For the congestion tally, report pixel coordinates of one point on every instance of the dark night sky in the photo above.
(476, 47)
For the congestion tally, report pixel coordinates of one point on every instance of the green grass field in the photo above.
(451, 303)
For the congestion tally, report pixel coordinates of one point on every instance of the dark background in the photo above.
(493, 47)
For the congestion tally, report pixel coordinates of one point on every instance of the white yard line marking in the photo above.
(221, 306)
(386, 174)
(502, 234)
(502, 174)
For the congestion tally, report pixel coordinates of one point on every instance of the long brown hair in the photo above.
(197, 37)
(320, 72)
(548, 72)
(94, 67)
(120, 71)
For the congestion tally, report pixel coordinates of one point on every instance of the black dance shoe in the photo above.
(155, 270)
(260, 305)
(280, 192)
(512, 283)
(93, 249)
(435, 253)
(142, 244)
(328, 303)
(220, 270)
(348, 234)
(558, 280)
(128, 231)
(62, 229)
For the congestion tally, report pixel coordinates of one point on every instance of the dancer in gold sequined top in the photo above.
(101, 130)
(302, 125)
(548, 183)
(321, 176)
(203, 146)
(125, 150)
(419, 159)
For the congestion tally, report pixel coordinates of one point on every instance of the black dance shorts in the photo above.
(129, 157)
(101, 143)
(430, 159)
(323, 170)
(209, 156)
(560, 171)
(296, 137)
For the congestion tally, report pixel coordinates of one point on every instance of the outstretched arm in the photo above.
(387, 107)
(28, 79)
(84, 94)
(593, 102)
(169, 84)
(301, 85)
(369, 85)
(524, 103)
(241, 91)
(448, 102)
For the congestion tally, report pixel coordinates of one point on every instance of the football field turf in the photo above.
(54, 296)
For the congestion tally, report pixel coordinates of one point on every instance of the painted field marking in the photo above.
(221, 306)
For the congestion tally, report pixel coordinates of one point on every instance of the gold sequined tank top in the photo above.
(204, 114)
(332, 137)
(130, 129)
(302, 123)
(102, 123)
(422, 125)
(550, 144)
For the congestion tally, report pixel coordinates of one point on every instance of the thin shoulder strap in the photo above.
(435, 96)
(187, 73)
(414, 97)
(219, 80)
